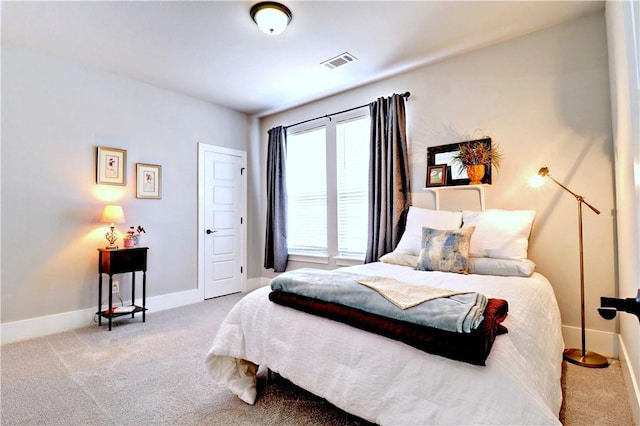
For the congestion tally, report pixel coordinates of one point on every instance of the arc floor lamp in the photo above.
(581, 356)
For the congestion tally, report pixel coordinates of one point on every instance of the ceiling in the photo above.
(213, 51)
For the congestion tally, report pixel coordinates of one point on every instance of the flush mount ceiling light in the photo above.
(272, 18)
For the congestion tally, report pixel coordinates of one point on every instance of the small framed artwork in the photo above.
(437, 175)
(149, 181)
(111, 166)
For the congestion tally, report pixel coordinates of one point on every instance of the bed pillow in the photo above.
(499, 234)
(501, 267)
(477, 265)
(445, 251)
(411, 240)
(401, 259)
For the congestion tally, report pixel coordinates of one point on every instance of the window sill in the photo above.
(324, 260)
(348, 261)
(309, 258)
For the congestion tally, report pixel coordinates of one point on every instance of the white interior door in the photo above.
(222, 224)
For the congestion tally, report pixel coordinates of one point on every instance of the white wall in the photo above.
(544, 98)
(625, 96)
(55, 113)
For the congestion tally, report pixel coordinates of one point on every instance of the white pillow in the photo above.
(411, 240)
(500, 234)
(401, 259)
(501, 267)
(477, 265)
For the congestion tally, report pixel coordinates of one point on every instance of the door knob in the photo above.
(209, 231)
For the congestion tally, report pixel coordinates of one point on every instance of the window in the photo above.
(352, 155)
(307, 192)
(328, 187)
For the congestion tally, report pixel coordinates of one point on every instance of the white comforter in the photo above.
(391, 383)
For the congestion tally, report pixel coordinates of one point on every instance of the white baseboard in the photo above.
(42, 326)
(256, 283)
(633, 388)
(602, 342)
(172, 300)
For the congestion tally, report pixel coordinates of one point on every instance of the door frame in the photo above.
(202, 148)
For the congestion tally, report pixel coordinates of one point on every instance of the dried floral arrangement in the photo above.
(476, 153)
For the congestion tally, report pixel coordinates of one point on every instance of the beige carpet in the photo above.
(154, 373)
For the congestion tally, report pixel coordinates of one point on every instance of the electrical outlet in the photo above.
(115, 287)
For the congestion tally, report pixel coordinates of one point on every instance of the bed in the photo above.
(389, 382)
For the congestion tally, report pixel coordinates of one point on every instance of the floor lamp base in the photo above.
(590, 359)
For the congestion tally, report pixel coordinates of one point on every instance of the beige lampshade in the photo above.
(112, 214)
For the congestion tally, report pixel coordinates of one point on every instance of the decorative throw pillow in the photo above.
(411, 240)
(500, 234)
(445, 251)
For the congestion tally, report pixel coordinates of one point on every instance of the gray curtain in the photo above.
(275, 247)
(389, 187)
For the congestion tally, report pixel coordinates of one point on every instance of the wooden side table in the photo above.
(121, 261)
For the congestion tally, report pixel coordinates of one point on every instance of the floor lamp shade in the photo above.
(581, 356)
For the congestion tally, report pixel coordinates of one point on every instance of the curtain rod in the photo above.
(404, 95)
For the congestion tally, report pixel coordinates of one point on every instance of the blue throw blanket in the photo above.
(459, 313)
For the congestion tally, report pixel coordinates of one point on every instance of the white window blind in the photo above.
(352, 168)
(307, 192)
(328, 188)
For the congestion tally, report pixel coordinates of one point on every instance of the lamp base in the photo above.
(590, 359)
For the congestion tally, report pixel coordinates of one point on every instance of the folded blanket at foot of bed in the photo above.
(458, 311)
(473, 348)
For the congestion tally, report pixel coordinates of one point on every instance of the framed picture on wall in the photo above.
(148, 181)
(437, 175)
(111, 166)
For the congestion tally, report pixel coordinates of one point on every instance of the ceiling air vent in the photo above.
(339, 60)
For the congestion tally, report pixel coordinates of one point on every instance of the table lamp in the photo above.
(580, 357)
(113, 215)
